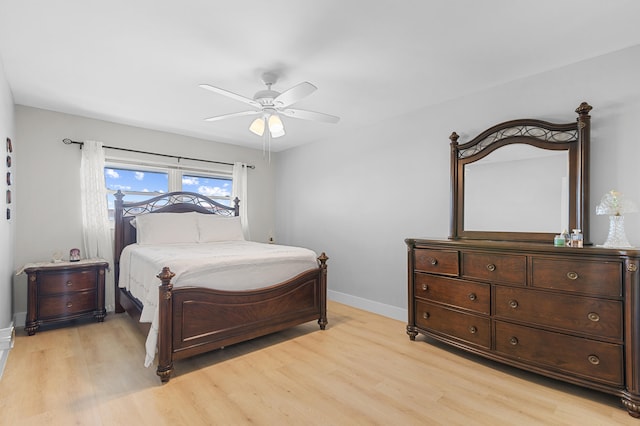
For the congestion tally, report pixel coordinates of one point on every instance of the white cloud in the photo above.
(212, 191)
(121, 187)
(192, 180)
(112, 174)
(139, 175)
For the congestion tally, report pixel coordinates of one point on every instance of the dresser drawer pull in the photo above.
(513, 304)
(593, 316)
(491, 267)
(473, 330)
(69, 283)
(426, 315)
(69, 304)
(513, 341)
(572, 275)
(432, 260)
(425, 287)
(593, 359)
(472, 296)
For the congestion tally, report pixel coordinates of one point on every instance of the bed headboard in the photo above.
(171, 202)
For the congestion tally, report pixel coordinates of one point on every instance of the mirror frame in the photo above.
(571, 137)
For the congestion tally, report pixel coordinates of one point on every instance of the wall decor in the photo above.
(9, 147)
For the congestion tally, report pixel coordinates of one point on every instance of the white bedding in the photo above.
(225, 265)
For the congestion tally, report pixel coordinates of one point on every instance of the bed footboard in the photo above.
(194, 320)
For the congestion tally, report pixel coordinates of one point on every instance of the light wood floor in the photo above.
(362, 370)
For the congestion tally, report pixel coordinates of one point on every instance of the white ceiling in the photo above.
(139, 62)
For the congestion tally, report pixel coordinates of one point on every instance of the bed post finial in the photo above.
(584, 109)
(236, 206)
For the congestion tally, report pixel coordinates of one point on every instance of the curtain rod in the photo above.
(68, 141)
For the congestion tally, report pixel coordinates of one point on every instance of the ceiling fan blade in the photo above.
(310, 115)
(294, 94)
(232, 115)
(231, 95)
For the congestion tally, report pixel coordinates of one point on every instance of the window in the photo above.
(141, 182)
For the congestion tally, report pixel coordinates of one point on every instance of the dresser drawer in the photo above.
(580, 276)
(498, 268)
(444, 262)
(583, 357)
(67, 304)
(471, 328)
(63, 282)
(586, 315)
(452, 291)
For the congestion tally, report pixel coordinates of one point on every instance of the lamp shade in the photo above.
(276, 127)
(614, 203)
(258, 126)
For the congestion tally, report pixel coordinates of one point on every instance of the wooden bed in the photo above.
(195, 320)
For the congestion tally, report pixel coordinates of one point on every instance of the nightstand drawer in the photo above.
(67, 304)
(63, 282)
(63, 292)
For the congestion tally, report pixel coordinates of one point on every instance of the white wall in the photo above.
(48, 216)
(358, 197)
(6, 226)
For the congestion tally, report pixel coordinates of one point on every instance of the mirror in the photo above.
(523, 180)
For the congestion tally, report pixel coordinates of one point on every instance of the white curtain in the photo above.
(95, 218)
(240, 191)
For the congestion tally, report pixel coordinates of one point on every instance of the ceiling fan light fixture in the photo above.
(258, 126)
(276, 126)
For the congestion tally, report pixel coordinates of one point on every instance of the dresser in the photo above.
(572, 314)
(63, 292)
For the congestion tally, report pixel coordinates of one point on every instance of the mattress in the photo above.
(225, 265)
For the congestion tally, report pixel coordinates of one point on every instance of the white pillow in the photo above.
(167, 228)
(219, 228)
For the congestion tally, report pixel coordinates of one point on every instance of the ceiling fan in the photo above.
(270, 104)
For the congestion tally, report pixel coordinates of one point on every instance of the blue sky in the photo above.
(158, 182)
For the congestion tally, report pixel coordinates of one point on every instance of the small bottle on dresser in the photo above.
(576, 238)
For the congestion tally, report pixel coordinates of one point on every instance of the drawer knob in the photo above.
(426, 315)
(425, 287)
(473, 330)
(513, 341)
(472, 296)
(593, 359)
(69, 283)
(69, 304)
(432, 260)
(593, 316)
(513, 304)
(572, 275)
(491, 267)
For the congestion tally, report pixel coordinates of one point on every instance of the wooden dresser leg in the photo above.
(633, 407)
(411, 331)
(164, 372)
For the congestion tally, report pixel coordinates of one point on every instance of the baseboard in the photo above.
(369, 305)
(7, 337)
(19, 319)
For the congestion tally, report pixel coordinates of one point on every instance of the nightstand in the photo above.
(64, 291)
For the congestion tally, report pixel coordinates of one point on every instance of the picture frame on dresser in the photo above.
(569, 313)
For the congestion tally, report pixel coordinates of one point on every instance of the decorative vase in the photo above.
(617, 237)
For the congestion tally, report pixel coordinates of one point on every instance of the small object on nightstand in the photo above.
(59, 292)
(74, 255)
